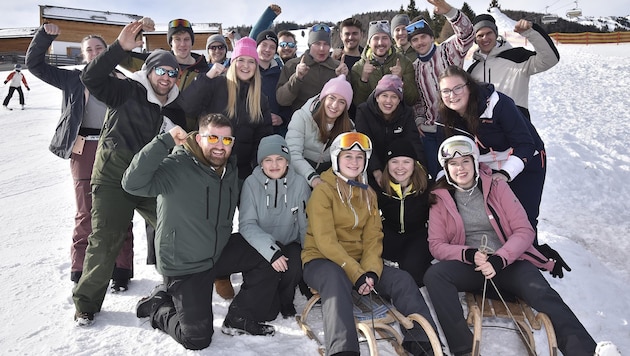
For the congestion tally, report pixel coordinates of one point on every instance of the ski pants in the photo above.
(293, 275)
(188, 319)
(81, 169)
(528, 188)
(522, 279)
(112, 212)
(335, 289)
(411, 252)
(10, 95)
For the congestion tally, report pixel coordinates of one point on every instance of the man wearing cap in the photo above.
(380, 58)
(270, 68)
(138, 108)
(431, 60)
(399, 34)
(217, 50)
(508, 68)
(304, 77)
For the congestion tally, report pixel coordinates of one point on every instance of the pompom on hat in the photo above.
(273, 145)
(245, 47)
(338, 85)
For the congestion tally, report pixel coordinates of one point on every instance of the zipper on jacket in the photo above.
(402, 214)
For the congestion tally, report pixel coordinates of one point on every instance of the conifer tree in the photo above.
(494, 3)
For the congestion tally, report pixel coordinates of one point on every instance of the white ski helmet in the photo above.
(458, 146)
(350, 141)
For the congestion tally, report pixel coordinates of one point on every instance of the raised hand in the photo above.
(301, 69)
(52, 29)
(368, 68)
(127, 37)
(342, 68)
(179, 135)
(397, 69)
(148, 25)
(522, 25)
(441, 6)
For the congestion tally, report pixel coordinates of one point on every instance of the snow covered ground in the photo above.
(580, 107)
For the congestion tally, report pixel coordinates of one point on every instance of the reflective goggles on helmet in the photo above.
(456, 148)
(350, 139)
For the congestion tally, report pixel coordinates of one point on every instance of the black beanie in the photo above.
(158, 58)
(484, 20)
(178, 28)
(401, 148)
(267, 35)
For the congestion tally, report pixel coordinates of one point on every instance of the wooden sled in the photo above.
(522, 313)
(373, 318)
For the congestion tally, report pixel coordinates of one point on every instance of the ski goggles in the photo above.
(416, 25)
(320, 27)
(226, 140)
(350, 139)
(383, 25)
(456, 148)
(179, 23)
(284, 44)
(172, 73)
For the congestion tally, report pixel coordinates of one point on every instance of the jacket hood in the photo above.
(328, 63)
(141, 77)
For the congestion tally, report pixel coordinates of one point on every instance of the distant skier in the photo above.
(16, 78)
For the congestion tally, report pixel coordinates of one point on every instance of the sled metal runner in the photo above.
(378, 327)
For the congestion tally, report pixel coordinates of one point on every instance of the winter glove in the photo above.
(552, 254)
(5, 82)
(27, 88)
(469, 255)
(361, 279)
(497, 263)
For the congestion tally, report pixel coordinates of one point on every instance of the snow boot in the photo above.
(83, 319)
(120, 285)
(147, 305)
(224, 288)
(236, 325)
(606, 348)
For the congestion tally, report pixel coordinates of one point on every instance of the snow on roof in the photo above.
(18, 32)
(66, 13)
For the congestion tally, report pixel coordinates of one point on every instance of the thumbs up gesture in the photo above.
(342, 68)
(397, 69)
(301, 68)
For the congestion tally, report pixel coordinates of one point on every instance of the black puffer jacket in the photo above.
(205, 96)
(370, 121)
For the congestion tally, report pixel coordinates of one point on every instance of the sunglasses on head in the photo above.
(217, 47)
(382, 24)
(172, 73)
(226, 140)
(350, 139)
(179, 23)
(416, 25)
(320, 27)
(287, 44)
(456, 149)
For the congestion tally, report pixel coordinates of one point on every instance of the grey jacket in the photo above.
(273, 211)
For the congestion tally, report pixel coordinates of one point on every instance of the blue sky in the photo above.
(25, 13)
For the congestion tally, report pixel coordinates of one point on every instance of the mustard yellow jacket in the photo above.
(345, 232)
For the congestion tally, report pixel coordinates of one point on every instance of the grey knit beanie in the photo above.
(273, 145)
(399, 20)
(484, 20)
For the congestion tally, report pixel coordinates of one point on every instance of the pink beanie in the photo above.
(338, 85)
(389, 82)
(245, 47)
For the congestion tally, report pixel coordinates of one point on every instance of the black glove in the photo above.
(552, 254)
(27, 88)
(361, 279)
(469, 255)
(5, 82)
(497, 263)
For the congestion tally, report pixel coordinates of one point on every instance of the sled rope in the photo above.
(484, 248)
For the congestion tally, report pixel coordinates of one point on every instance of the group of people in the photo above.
(351, 169)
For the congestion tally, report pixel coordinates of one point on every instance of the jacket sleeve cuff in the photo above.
(513, 166)
(497, 262)
(469, 255)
